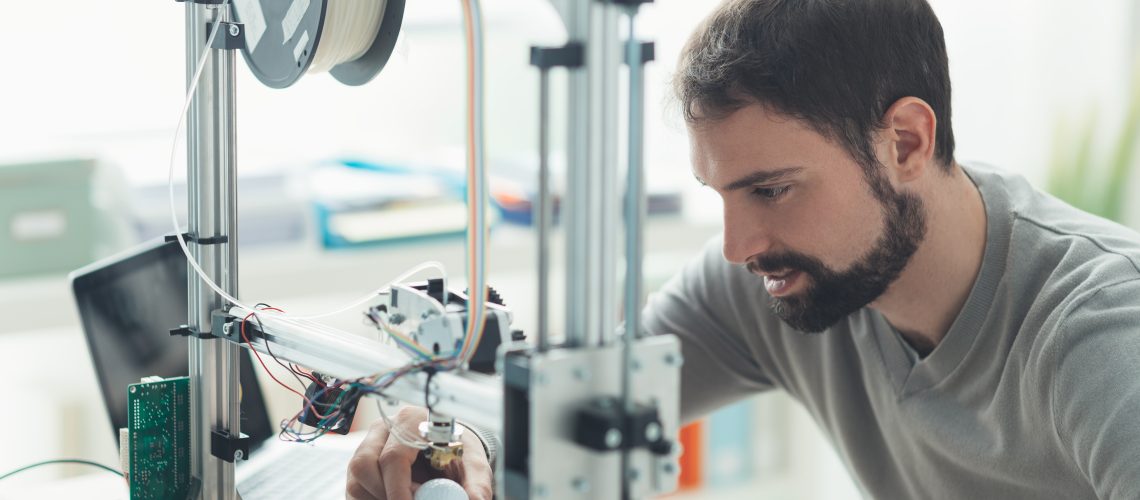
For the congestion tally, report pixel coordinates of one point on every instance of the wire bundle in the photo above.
(350, 391)
(350, 27)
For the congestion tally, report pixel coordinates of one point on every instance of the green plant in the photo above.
(1087, 180)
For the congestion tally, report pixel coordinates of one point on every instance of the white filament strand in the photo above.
(182, 241)
(349, 29)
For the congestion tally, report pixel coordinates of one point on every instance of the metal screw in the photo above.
(581, 485)
(226, 329)
(234, 30)
(539, 490)
(653, 432)
(238, 455)
(670, 359)
(133, 389)
(669, 468)
(613, 438)
(634, 474)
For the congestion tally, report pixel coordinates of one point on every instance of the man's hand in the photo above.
(384, 469)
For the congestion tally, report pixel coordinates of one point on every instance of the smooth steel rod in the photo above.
(543, 210)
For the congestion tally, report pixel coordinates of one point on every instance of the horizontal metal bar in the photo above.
(471, 397)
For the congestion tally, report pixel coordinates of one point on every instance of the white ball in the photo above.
(441, 489)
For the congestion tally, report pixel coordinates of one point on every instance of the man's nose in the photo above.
(744, 237)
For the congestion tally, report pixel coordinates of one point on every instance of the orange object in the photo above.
(692, 456)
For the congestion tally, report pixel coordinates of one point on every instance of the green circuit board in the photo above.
(158, 420)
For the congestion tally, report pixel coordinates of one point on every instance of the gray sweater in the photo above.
(1033, 393)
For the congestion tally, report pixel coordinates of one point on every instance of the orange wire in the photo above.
(472, 197)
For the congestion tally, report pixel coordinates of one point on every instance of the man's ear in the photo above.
(908, 138)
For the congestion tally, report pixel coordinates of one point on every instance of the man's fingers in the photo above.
(409, 419)
(396, 469)
(477, 477)
(364, 479)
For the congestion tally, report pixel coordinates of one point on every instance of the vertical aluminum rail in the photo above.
(573, 214)
(606, 51)
(634, 214)
(212, 189)
(591, 156)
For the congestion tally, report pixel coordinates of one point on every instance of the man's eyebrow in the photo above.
(761, 176)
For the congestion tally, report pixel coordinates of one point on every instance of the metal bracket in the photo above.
(229, 328)
(228, 447)
(231, 36)
(603, 425)
(560, 389)
(570, 55)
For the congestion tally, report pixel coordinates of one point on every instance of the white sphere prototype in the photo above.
(441, 489)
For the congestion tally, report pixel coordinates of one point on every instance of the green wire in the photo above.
(61, 461)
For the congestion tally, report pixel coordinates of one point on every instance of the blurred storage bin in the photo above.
(47, 220)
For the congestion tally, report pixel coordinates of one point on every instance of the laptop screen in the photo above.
(128, 305)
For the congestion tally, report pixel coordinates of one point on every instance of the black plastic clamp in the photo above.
(647, 54)
(230, 328)
(189, 331)
(571, 55)
(191, 237)
(231, 36)
(228, 447)
(604, 425)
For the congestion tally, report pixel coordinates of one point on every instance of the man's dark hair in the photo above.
(838, 65)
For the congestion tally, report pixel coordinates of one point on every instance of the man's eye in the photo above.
(771, 193)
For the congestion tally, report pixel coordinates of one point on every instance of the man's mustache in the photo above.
(784, 261)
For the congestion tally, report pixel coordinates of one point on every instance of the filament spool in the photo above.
(351, 39)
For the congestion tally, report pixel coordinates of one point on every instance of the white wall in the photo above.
(111, 81)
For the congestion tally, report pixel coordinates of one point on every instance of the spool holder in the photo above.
(280, 45)
(231, 36)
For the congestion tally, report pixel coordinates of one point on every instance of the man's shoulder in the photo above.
(1061, 248)
(1060, 263)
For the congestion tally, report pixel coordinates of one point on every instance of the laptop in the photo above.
(128, 304)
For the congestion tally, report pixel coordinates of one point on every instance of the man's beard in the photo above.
(831, 295)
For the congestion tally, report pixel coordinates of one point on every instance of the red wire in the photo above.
(259, 360)
(292, 368)
(308, 403)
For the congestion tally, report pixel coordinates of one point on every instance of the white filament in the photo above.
(194, 81)
(349, 29)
